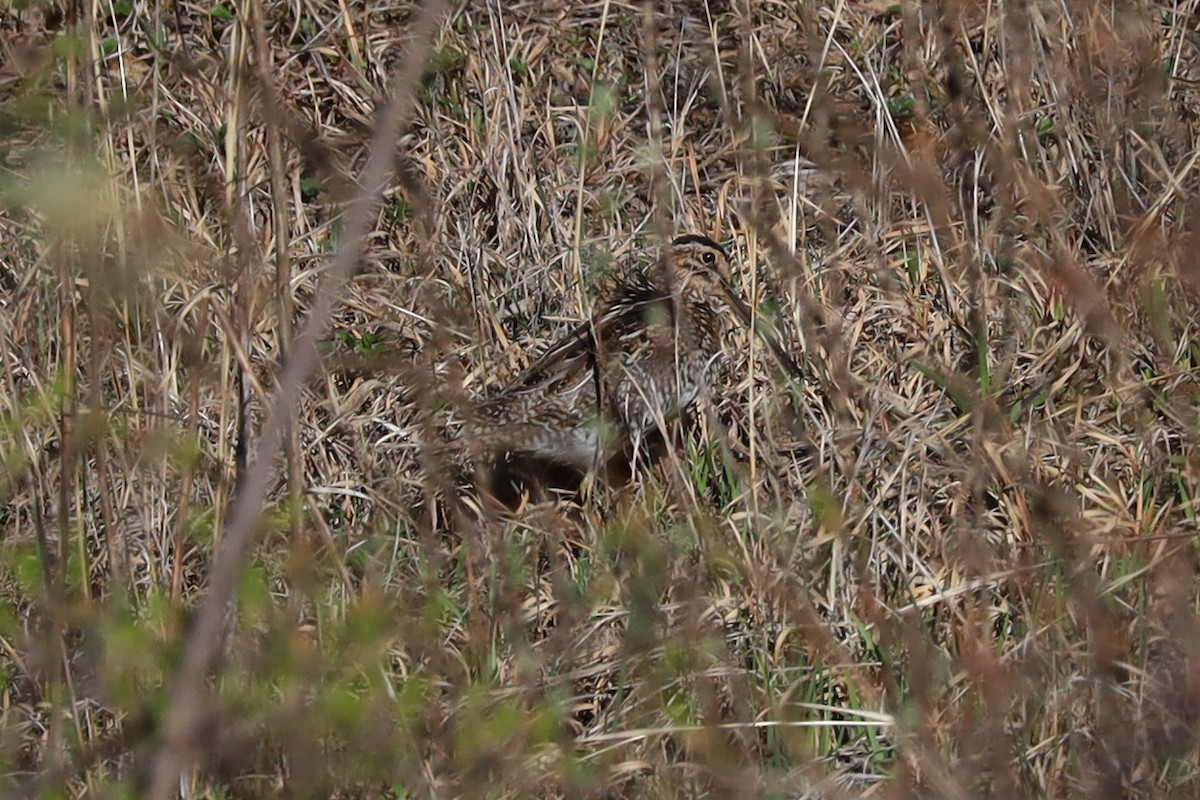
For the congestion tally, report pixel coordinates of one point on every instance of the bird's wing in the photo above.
(621, 313)
(575, 351)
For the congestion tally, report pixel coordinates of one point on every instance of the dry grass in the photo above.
(957, 561)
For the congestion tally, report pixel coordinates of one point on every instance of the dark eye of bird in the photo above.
(709, 259)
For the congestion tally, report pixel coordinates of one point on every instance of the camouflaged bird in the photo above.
(646, 354)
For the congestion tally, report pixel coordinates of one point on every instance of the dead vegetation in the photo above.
(958, 560)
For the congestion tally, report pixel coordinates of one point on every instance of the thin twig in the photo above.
(190, 695)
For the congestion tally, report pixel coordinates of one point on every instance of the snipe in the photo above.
(645, 355)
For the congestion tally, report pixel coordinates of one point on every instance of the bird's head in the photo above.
(701, 264)
(699, 260)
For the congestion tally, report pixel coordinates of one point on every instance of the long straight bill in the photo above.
(765, 331)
